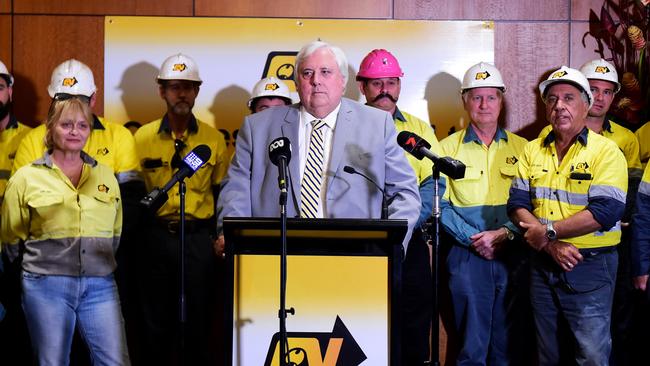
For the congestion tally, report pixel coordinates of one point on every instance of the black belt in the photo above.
(595, 251)
(174, 226)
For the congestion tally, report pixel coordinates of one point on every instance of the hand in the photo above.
(219, 246)
(535, 234)
(486, 243)
(640, 282)
(564, 254)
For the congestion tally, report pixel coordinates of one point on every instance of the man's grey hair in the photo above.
(312, 47)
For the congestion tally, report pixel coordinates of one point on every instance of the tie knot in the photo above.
(317, 124)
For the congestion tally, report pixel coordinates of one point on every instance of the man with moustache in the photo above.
(161, 146)
(327, 132)
(379, 81)
(569, 196)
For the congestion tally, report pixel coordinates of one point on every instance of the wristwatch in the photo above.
(509, 234)
(551, 234)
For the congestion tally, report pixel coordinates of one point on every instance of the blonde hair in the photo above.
(58, 108)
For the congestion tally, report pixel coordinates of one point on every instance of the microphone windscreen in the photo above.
(280, 147)
(197, 157)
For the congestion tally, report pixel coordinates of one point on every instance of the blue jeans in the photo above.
(487, 305)
(573, 309)
(54, 305)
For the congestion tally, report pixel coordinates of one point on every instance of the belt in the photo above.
(590, 252)
(174, 226)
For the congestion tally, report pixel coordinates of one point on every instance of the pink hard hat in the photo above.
(377, 64)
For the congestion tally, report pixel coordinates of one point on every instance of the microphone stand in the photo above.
(435, 323)
(181, 302)
(282, 313)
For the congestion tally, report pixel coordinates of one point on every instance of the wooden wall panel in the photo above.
(5, 6)
(108, 7)
(525, 53)
(5, 40)
(482, 10)
(579, 53)
(580, 8)
(43, 42)
(367, 9)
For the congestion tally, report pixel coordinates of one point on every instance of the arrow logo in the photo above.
(338, 348)
(482, 75)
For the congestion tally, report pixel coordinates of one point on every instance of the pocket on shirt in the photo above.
(468, 191)
(102, 211)
(45, 210)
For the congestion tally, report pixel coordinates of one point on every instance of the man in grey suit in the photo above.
(349, 133)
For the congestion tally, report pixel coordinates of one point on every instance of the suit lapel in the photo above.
(342, 131)
(290, 129)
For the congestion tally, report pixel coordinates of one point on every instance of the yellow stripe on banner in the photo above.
(340, 234)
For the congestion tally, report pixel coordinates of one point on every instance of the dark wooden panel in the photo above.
(5, 40)
(5, 6)
(296, 8)
(525, 53)
(96, 7)
(482, 10)
(38, 50)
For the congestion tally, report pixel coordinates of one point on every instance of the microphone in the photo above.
(190, 164)
(280, 155)
(419, 147)
(384, 199)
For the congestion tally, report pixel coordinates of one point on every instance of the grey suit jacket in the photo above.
(364, 138)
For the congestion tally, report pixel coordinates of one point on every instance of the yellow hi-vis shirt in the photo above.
(9, 140)
(109, 143)
(624, 139)
(592, 176)
(155, 145)
(66, 230)
(643, 136)
(477, 202)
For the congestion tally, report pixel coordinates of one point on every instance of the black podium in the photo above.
(343, 283)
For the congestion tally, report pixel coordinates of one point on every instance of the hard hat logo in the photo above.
(69, 82)
(179, 67)
(103, 188)
(602, 69)
(558, 74)
(482, 75)
(273, 86)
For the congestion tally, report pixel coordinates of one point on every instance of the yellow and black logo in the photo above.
(311, 348)
(512, 160)
(482, 75)
(179, 67)
(281, 64)
(69, 82)
(102, 151)
(271, 87)
(558, 74)
(582, 166)
(103, 188)
(602, 69)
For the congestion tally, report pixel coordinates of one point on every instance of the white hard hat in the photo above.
(5, 71)
(601, 70)
(567, 75)
(179, 67)
(270, 87)
(482, 75)
(72, 77)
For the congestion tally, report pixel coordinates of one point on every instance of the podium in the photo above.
(343, 280)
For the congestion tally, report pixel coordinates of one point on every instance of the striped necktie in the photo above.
(313, 176)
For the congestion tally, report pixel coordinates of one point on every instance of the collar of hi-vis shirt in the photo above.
(471, 136)
(304, 134)
(192, 127)
(582, 137)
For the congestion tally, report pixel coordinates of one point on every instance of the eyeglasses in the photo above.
(179, 145)
(65, 96)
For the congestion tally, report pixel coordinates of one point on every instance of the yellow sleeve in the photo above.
(126, 157)
(31, 147)
(15, 216)
(222, 160)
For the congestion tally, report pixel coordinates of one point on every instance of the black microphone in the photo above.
(384, 197)
(280, 155)
(419, 147)
(190, 164)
